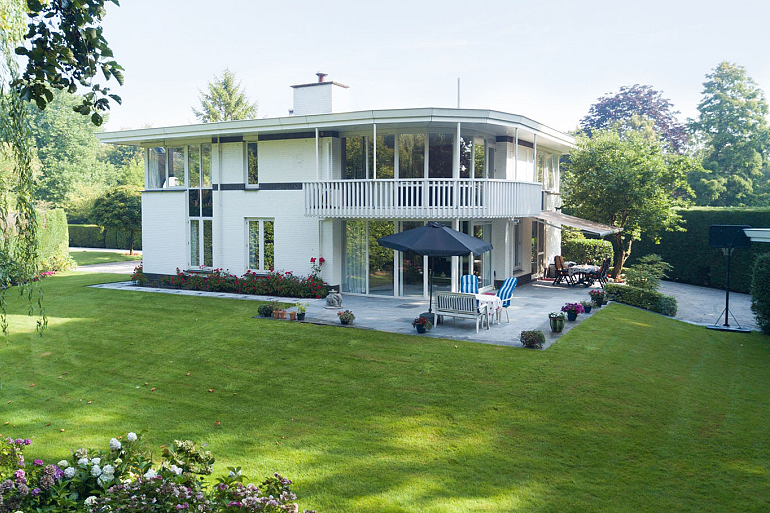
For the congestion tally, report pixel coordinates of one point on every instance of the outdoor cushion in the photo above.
(469, 284)
(506, 291)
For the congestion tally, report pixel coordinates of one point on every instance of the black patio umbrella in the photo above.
(435, 240)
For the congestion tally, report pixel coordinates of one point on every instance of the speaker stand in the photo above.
(726, 312)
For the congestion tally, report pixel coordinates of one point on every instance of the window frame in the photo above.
(261, 240)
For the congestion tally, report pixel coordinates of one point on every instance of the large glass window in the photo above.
(411, 156)
(194, 165)
(206, 165)
(354, 158)
(479, 157)
(380, 259)
(466, 153)
(195, 245)
(411, 267)
(261, 244)
(386, 153)
(176, 160)
(194, 202)
(252, 163)
(482, 264)
(354, 266)
(208, 243)
(440, 155)
(156, 168)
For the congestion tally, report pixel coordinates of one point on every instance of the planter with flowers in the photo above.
(587, 305)
(572, 310)
(599, 297)
(346, 317)
(422, 324)
(557, 321)
(301, 310)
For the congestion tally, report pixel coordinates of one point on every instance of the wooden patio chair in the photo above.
(562, 273)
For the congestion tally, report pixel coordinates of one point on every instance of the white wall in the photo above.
(290, 160)
(314, 99)
(164, 231)
(232, 170)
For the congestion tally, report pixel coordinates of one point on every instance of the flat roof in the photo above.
(489, 121)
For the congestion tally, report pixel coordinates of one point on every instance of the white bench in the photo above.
(464, 306)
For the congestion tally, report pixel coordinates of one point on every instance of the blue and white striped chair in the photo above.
(469, 284)
(504, 293)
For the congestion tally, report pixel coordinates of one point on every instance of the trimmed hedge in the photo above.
(587, 250)
(760, 292)
(53, 240)
(92, 236)
(694, 261)
(647, 299)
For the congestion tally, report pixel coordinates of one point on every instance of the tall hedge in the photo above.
(694, 261)
(92, 236)
(583, 250)
(760, 292)
(53, 242)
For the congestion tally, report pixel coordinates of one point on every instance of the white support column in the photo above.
(374, 149)
(534, 147)
(516, 154)
(317, 162)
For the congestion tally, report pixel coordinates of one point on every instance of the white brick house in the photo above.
(255, 194)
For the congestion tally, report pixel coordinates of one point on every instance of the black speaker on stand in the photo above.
(728, 237)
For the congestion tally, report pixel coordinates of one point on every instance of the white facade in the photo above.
(320, 184)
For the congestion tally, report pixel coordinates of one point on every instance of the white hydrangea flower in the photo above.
(90, 501)
(131, 437)
(63, 464)
(96, 471)
(176, 470)
(83, 462)
(150, 474)
(114, 444)
(96, 461)
(69, 472)
(109, 470)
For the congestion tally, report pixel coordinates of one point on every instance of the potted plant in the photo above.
(533, 339)
(265, 310)
(572, 309)
(599, 297)
(346, 317)
(292, 316)
(587, 305)
(301, 310)
(557, 321)
(282, 313)
(422, 324)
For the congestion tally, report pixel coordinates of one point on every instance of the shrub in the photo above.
(532, 339)
(92, 236)
(272, 284)
(694, 261)
(125, 478)
(647, 299)
(760, 292)
(648, 272)
(266, 310)
(586, 250)
(346, 317)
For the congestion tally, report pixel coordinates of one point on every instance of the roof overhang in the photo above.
(557, 220)
(490, 121)
(758, 234)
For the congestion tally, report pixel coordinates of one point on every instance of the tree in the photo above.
(618, 110)
(733, 128)
(225, 101)
(120, 208)
(65, 48)
(624, 181)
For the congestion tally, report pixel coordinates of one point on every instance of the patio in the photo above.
(529, 309)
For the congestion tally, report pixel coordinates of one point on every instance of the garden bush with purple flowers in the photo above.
(125, 478)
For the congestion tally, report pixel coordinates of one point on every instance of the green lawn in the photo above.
(629, 411)
(102, 257)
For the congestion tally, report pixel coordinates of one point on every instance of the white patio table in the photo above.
(581, 270)
(494, 305)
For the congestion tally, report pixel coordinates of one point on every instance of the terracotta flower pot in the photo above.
(292, 316)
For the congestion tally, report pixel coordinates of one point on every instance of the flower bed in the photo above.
(125, 478)
(274, 283)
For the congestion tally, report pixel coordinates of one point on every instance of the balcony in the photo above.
(422, 199)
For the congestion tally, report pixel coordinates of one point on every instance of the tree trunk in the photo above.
(622, 252)
(131, 242)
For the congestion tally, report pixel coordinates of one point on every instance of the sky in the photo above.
(548, 60)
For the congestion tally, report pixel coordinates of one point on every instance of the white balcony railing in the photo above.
(422, 199)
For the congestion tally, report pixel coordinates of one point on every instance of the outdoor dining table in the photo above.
(494, 305)
(580, 272)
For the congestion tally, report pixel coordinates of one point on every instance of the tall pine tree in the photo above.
(225, 101)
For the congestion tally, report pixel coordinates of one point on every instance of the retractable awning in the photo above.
(758, 234)
(557, 219)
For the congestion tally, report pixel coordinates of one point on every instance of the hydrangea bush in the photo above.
(125, 478)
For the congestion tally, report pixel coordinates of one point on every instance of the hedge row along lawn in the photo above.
(102, 257)
(630, 410)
